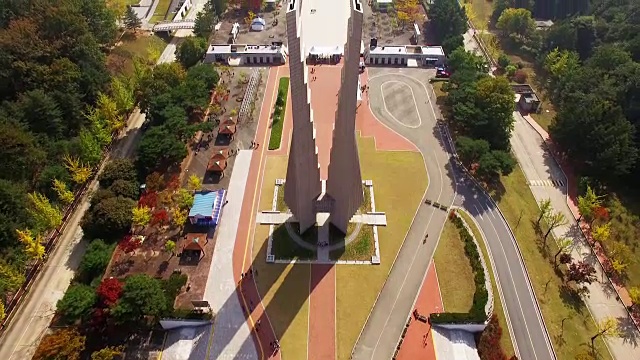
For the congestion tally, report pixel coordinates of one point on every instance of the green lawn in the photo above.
(516, 200)
(361, 248)
(275, 138)
(141, 45)
(284, 288)
(132, 2)
(280, 204)
(455, 274)
(161, 11)
(357, 286)
(285, 248)
(505, 341)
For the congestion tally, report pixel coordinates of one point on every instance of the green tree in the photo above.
(595, 134)
(131, 19)
(123, 94)
(516, 23)
(471, 150)
(128, 189)
(20, 155)
(142, 295)
(109, 218)
(448, 19)
(65, 344)
(2, 312)
(77, 302)
(634, 294)
(205, 20)
(191, 51)
(160, 148)
(98, 126)
(64, 195)
(45, 215)
(95, 260)
(119, 169)
(170, 246)
(588, 203)
(494, 101)
(90, 148)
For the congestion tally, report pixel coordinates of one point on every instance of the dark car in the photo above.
(443, 74)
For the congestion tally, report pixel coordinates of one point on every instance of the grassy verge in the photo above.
(361, 248)
(479, 13)
(141, 45)
(284, 288)
(280, 204)
(456, 275)
(516, 201)
(161, 11)
(283, 247)
(366, 203)
(275, 139)
(505, 341)
(358, 286)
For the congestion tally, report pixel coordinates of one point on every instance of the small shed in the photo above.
(207, 208)
(193, 246)
(526, 98)
(219, 153)
(217, 166)
(258, 24)
(226, 129)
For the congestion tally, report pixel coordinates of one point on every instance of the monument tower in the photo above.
(344, 183)
(303, 184)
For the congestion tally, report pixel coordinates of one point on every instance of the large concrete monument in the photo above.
(344, 192)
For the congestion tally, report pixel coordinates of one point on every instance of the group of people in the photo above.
(275, 346)
(254, 145)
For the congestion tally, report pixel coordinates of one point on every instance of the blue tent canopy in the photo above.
(207, 207)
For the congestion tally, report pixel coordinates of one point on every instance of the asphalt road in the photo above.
(391, 91)
(37, 310)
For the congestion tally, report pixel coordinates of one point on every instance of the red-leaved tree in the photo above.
(129, 244)
(109, 291)
(148, 199)
(174, 182)
(160, 217)
(601, 213)
(489, 341)
(581, 272)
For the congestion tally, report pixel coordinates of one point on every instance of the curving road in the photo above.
(403, 100)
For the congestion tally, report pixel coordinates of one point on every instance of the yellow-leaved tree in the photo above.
(80, 173)
(32, 246)
(194, 183)
(46, 216)
(179, 217)
(108, 109)
(64, 195)
(141, 215)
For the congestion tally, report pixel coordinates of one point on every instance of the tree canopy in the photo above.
(142, 295)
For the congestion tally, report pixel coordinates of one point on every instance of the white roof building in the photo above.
(258, 24)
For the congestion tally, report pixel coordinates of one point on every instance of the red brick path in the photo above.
(242, 253)
(322, 315)
(418, 342)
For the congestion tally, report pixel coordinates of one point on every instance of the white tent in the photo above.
(258, 24)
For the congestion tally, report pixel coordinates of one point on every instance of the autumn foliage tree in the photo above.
(129, 244)
(581, 272)
(65, 344)
(160, 217)
(489, 342)
(109, 291)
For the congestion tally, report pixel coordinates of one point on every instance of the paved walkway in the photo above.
(418, 342)
(243, 251)
(322, 313)
(538, 164)
(231, 335)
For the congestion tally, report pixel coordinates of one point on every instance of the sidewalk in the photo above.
(538, 163)
(231, 335)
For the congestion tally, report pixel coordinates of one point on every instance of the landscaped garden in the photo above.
(361, 248)
(277, 123)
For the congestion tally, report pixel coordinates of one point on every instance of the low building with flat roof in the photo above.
(526, 98)
(242, 54)
(405, 55)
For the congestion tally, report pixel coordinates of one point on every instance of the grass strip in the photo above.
(456, 279)
(160, 13)
(568, 321)
(275, 139)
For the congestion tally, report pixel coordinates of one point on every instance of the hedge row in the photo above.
(278, 114)
(477, 312)
(489, 347)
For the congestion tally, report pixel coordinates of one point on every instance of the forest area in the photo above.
(59, 108)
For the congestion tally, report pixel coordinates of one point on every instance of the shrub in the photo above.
(278, 114)
(94, 261)
(489, 341)
(477, 312)
(520, 76)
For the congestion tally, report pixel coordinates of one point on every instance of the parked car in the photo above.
(442, 73)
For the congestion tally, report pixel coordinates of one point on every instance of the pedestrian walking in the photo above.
(255, 272)
(242, 276)
(257, 146)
